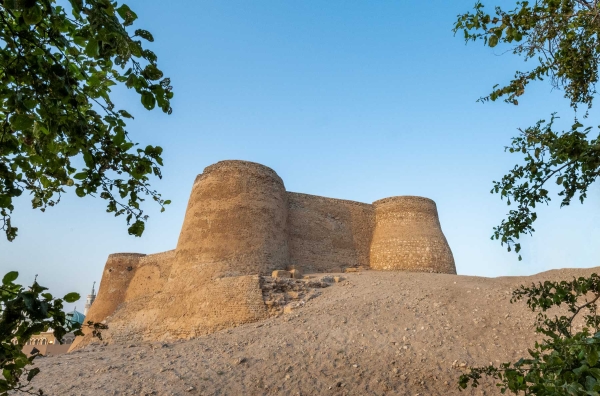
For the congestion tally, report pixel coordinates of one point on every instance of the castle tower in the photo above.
(118, 272)
(235, 223)
(90, 300)
(408, 237)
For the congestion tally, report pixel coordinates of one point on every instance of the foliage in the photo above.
(565, 362)
(58, 125)
(570, 159)
(563, 36)
(24, 313)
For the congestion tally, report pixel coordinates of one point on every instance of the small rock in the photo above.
(191, 388)
(240, 360)
(296, 274)
(351, 269)
(355, 365)
(338, 279)
(288, 309)
(281, 274)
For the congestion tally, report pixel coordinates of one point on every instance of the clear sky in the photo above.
(348, 99)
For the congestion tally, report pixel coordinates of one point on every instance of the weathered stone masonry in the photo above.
(241, 224)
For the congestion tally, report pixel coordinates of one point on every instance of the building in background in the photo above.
(47, 344)
(90, 300)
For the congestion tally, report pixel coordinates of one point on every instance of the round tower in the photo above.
(235, 223)
(118, 272)
(408, 237)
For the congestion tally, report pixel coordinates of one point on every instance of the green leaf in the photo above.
(80, 176)
(71, 297)
(137, 228)
(592, 357)
(91, 49)
(144, 34)
(493, 41)
(125, 114)
(32, 15)
(127, 14)
(21, 122)
(148, 100)
(10, 4)
(10, 277)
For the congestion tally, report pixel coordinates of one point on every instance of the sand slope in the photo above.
(376, 333)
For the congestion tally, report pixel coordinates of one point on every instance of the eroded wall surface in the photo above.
(408, 237)
(215, 305)
(327, 234)
(235, 223)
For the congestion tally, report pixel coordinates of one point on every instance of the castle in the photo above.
(240, 225)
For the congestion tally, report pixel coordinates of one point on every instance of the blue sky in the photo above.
(349, 99)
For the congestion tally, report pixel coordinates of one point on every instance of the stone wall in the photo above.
(327, 234)
(215, 305)
(235, 223)
(119, 270)
(408, 237)
(151, 275)
(241, 224)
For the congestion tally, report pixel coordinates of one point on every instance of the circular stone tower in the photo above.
(408, 237)
(118, 272)
(235, 223)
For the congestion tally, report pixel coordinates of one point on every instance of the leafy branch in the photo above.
(569, 158)
(56, 71)
(24, 313)
(562, 35)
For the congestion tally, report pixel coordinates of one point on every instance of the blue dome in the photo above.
(75, 317)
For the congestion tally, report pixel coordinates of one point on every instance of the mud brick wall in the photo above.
(326, 234)
(240, 224)
(151, 275)
(119, 270)
(216, 305)
(235, 223)
(408, 237)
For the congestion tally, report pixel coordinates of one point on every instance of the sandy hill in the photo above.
(373, 333)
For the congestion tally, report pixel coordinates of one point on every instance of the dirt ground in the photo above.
(374, 333)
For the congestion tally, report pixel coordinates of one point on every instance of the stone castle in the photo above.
(240, 225)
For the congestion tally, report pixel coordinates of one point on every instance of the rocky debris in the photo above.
(355, 269)
(281, 274)
(296, 274)
(338, 279)
(283, 295)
